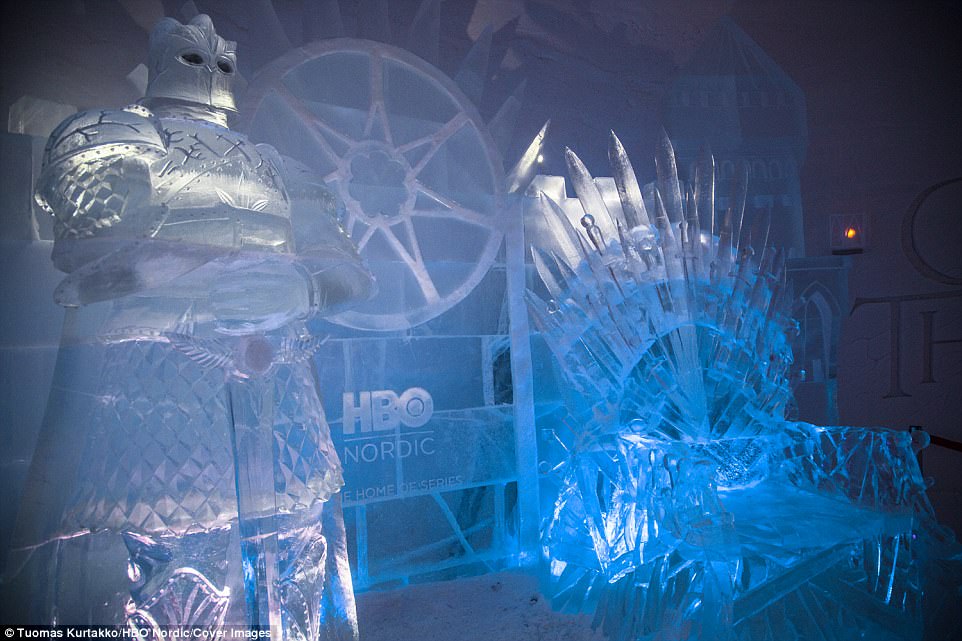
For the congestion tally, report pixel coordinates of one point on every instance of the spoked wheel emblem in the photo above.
(408, 155)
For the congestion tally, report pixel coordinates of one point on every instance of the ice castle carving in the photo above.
(685, 505)
(185, 453)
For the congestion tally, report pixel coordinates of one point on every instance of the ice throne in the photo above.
(685, 505)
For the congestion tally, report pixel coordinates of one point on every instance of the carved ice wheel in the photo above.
(409, 156)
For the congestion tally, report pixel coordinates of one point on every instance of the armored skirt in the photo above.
(158, 456)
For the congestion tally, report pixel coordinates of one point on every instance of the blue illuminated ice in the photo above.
(185, 475)
(685, 505)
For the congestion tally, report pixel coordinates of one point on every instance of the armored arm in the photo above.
(330, 259)
(324, 275)
(96, 182)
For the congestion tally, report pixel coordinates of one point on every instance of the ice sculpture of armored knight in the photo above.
(184, 381)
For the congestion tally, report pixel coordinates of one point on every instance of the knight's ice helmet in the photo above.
(190, 62)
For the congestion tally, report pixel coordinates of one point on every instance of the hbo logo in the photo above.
(385, 410)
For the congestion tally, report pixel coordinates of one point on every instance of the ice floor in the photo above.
(505, 606)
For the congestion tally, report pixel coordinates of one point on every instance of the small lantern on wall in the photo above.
(849, 233)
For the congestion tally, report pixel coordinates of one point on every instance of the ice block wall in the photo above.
(30, 322)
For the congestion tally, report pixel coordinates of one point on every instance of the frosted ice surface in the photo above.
(685, 506)
(36, 116)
